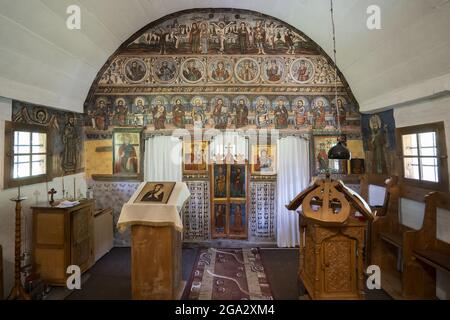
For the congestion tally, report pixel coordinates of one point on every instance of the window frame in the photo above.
(441, 155)
(9, 181)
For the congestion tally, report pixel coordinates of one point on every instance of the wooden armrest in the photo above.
(100, 212)
(393, 238)
(435, 259)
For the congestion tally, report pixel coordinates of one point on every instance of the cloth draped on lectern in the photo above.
(155, 214)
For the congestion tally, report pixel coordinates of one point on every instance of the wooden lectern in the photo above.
(332, 240)
(156, 242)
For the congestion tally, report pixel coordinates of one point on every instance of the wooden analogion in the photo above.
(333, 226)
(155, 239)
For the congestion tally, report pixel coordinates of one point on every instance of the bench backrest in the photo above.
(373, 189)
(436, 225)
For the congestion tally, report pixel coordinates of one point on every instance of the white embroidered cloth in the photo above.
(155, 214)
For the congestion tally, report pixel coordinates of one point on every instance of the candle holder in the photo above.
(18, 292)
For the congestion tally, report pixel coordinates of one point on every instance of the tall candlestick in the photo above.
(18, 196)
(74, 188)
(47, 190)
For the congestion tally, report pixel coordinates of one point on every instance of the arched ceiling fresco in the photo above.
(223, 69)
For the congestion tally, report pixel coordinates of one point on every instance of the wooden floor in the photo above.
(110, 278)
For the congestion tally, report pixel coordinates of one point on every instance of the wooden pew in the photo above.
(424, 253)
(373, 180)
(388, 236)
(367, 182)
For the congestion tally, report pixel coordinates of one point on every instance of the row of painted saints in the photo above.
(303, 70)
(221, 34)
(221, 112)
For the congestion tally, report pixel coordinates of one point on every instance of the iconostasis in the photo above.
(225, 70)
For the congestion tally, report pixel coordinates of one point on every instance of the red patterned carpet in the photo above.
(228, 274)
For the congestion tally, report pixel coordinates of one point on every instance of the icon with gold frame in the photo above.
(219, 221)
(195, 157)
(127, 152)
(264, 160)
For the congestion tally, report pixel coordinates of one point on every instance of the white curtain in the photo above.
(293, 177)
(163, 159)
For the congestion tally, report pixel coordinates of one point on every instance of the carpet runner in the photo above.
(228, 274)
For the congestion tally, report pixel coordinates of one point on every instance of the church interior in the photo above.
(224, 150)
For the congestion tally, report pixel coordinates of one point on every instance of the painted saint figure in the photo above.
(135, 72)
(155, 195)
(100, 116)
(178, 114)
(198, 114)
(241, 114)
(166, 72)
(159, 116)
(262, 115)
(191, 72)
(220, 183)
(243, 37)
(220, 114)
(238, 225)
(260, 37)
(377, 144)
(204, 37)
(273, 71)
(281, 115)
(300, 114)
(70, 141)
(194, 38)
(220, 73)
(264, 162)
(248, 72)
(322, 157)
(220, 218)
(126, 161)
(319, 115)
(121, 113)
(303, 72)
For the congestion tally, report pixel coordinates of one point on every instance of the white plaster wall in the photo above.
(7, 212)
(434, 110)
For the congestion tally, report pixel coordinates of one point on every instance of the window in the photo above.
(30, 152)
(26, 158)
(424, 156)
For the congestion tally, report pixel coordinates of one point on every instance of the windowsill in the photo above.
(116, 178)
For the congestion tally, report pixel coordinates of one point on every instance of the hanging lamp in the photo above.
(339, 151)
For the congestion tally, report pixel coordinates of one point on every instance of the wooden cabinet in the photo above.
(331, 262)
(62, 237)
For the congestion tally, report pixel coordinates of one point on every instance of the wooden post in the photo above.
(18, 292)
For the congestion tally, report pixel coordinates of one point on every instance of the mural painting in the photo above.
(222, 69)
(378, 132)
(65, 129)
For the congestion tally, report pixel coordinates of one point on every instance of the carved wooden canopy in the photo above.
(329, 201)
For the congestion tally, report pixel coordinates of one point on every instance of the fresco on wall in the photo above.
(65, 130)
(223, 69)
(378, 132)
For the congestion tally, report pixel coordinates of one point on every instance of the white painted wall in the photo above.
(7, 211)
(433, 110)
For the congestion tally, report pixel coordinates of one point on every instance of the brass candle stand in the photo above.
(18, 292)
